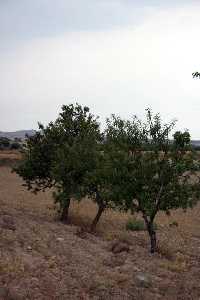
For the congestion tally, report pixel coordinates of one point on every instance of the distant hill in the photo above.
(195, 143)
(21, 134)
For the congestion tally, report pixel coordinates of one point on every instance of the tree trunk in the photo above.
(65, 212)
(152, 235)
(153, 241)
(96, 219)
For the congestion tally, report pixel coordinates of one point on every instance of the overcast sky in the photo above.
(115, 56)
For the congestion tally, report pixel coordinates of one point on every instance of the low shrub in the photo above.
(173, 224)
(137, 225)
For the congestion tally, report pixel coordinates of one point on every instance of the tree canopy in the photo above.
(133, 165)
(182, 139)
(154, 174)
(59, 155)
(196, 75)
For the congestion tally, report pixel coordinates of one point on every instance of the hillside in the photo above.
(40, 258)
(17, 134)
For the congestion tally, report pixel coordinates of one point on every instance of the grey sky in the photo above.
(116, 56)
(25, 19)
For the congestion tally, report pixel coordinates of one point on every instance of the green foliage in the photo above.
(156, 179)
(173, 224)
(4, 143)
(196, 75)
(137, 225)
(101, 182)
(60, 154)
(15, 146)
(132, 166)
(182, 139)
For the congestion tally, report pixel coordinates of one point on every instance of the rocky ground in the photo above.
(43, 259)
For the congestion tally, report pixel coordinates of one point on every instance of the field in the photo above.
(9, 157)
(40, 258)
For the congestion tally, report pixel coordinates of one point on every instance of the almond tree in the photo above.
(101, 182)
(182, 139)
(156, 175)
(60, 154)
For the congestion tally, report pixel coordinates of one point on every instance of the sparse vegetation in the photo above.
(137, 225)
(182, 140)
(8, 144)
(174, 223)
(131, 166)
(43, 259)
(4, 143)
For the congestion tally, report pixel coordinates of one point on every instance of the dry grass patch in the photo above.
(178, 264)
(10, 154)
(10, 158)
(11, 266)
(75, 265)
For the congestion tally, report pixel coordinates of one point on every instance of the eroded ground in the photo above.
(43, 259)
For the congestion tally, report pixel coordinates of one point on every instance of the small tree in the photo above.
(4, 143)
(15, 146)
(60, 154)
(101, 183)
(182, 139)
(97, 185)
(196, 75)
(155, 176)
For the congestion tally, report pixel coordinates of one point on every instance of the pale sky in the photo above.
(115, 56)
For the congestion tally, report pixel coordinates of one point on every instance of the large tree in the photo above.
(60, 154)
(155, 175)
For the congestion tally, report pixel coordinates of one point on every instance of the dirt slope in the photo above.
(43, 259)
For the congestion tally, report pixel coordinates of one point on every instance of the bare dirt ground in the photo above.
(9, 157)
(10, 154)
(40, 258)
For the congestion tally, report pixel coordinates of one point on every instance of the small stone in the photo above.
(29, 248)
(143, 280)
(120, 247)
(136, 269)
(60, 239)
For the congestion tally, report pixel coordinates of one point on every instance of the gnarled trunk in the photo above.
(152, 234)
(96, 219)
(65, 212)
(153, 241)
